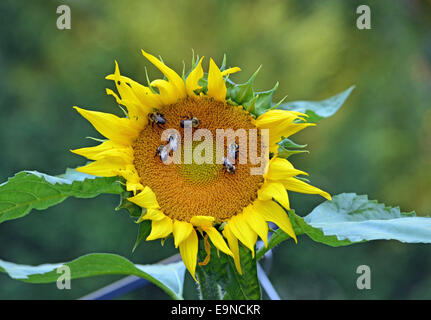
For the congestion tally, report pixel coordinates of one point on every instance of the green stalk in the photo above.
(208, 288)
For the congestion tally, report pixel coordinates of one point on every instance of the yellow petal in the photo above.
(216, 86)
(277, 116)
(274, 190)
(297, 185)
(189, 252)
(243, 232)
(202, 221)
(133, 181)
(133, 186)
(271, 211)
(147, 98)
(109, 92)
(152, 214)
(280, 168)
(217, 239)
(100, 151)
(280, 123)
(168, 93)
(256, 221)
(233, 245)
(145, 199)
(230, 71)
(181, 231)
(193, 78)
(106, 167)
(120, 130)
(174, 79)
(128, 98)
(123, 88)
(160, 229)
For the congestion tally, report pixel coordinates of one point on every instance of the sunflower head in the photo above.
(189, 148)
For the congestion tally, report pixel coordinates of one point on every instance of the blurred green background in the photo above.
(378, 144)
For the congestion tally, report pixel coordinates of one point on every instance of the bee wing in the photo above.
(226, 162)
(231, 151)
(174, 145)
(173, 142)
(164, 153)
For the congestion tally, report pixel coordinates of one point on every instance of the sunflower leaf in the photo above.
(350, 218)
(134, 210)
(169, 278)
(355, 218)
(300, 227)
(243, 93)
(317, 110)
(264, 101)
(287, 147)
(221, 270)
(29, 190)
(144, 231)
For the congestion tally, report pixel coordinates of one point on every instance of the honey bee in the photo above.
(229, 167)
(173, 142)
(233, 151)
(190, 121)
(156, 118)
(163, 152)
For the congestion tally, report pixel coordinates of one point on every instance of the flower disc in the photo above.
(187, 190)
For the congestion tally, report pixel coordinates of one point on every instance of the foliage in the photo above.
(221, 272)
(168, 277)
(34, 190)
(318, 110)
(351, 218)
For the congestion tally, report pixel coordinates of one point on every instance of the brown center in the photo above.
(187, 190)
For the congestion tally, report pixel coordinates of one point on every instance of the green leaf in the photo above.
(168, 277)
(276, 238)
(350, 218)
(134, 210)
(355, 218)
(221, 270)
(264, 101)
(144, 231)
(317, 110)
(289, 144)
(250, 106)
(243, 93)
(300, 228)
(287, 147)
(29, 190)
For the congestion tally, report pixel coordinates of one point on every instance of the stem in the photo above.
(208, 288)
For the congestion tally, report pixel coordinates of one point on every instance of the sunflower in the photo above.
(190, 200)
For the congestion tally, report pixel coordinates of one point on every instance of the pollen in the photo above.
(189, 189)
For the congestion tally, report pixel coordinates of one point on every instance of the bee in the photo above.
(233, 151)
(229, 167)
(190, 120)
(173, 142)
(156, 118)
(163, 152)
